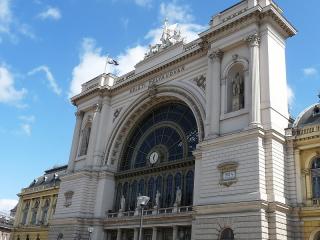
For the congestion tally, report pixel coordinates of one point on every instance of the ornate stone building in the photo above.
(197, 127)
(6, 224)
(37, 204)
(305, 140)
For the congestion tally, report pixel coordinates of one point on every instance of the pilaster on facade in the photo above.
(213, 91)
(254, 42)
(75, 140)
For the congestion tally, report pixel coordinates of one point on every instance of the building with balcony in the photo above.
(37, 204)
(306, 143)
(199, 128)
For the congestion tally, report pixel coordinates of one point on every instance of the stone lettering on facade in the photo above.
(157, 79)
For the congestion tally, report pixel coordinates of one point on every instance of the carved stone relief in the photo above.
(200, 81)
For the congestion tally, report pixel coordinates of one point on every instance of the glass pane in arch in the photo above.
(133, 197)
(189, 188)
(141, 187)
(169, 191)
(151, 190)
(227, 234)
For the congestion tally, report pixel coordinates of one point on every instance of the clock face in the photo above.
(153, 158)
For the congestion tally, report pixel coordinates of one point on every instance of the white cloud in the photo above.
(50, 13)
(10, 26)
(29, 118)
(8, 92)
(92, 61)
(176, 13)
(290, 95)
(310, 72)
(51, 80)
(5, 16)
(143, 3)
(26, 128)
(7, 204)
(130, 58)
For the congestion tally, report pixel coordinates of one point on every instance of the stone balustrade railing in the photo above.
(149, 212)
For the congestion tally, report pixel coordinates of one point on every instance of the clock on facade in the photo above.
(154, 157)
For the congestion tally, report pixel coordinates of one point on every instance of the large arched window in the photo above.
(315, 173)
(227, 234)
(169, 131)
(157, 157)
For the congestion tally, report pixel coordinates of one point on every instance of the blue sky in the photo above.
(48, 48)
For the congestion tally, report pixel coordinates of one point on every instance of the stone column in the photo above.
(135, 233)
(175, 233)
(39, 211)
(154, 233)
(50, 210)
(75, 140)
(104, 129)
(213, 90)
(29, 212)
(308, 186)
(119, 234)
(93, 134)
(19, 213)
(298, 175)
(254, 42)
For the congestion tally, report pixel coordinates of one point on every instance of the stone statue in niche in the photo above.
(157, 205)
(178, 197)
(237, 92)
(122, 204)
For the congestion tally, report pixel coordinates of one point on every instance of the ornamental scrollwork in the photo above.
(116, 113)
(200, 81)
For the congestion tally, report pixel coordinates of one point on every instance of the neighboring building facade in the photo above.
(197, 127)
(306, 143)
(37, 204)
(6, 224)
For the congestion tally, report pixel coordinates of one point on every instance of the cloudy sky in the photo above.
(48, 48)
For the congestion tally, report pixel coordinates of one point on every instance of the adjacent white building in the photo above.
(197, 127)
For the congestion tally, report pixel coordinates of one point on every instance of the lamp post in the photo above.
(90, 230)
(142, 202)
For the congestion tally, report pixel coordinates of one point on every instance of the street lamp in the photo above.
(142, 202)
(90, 230)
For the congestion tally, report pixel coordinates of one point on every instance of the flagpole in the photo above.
(105, 67)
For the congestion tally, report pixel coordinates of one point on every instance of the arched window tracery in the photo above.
(171, 131)
(172, 128)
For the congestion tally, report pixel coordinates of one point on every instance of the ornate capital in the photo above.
(97, 107)
(215, 55)
(253, 40)
(79, 114)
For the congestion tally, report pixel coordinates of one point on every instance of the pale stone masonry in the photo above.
(222, 101)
